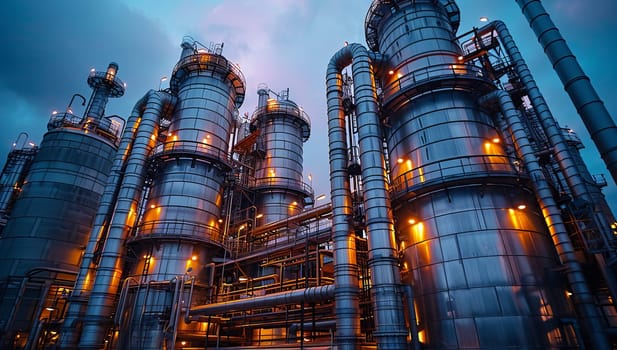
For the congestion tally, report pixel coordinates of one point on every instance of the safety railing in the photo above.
(286, 109)
(453, 168)
(191, 148)
(116, 86)
(105, 127)
(174, 229)
(205, 61)
(431, 73)
(284, 182)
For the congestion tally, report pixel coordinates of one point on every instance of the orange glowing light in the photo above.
(496, 140)
(412, 221)
(194, 258)
(152, 206)
(521, 206)
(400, 160)
(391, 72)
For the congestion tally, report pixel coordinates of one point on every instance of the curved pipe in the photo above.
(345, 267)
(69, 335)
(311, 295)
(390, 332)
(108, 272)
(588, 104)
(581, 294)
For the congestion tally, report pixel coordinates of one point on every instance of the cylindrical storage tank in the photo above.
(180, 231)
(51, 218)
(484, 272)
(192, 161)
(278, 175)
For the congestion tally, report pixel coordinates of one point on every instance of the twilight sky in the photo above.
(50, 46)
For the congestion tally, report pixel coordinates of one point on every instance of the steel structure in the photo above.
(462, 216)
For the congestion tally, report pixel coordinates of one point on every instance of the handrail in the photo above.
(215, 63)
(431, 73)
(190, 147)
(453, 167)
(103, 127)
(161, 229)
(284, 182)
(287, 109)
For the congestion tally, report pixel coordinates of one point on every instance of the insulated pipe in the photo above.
(347, 293)
(588, 104)
(562, 151)
(581, 294)
(390, 332)
(109, 270)
(310, 295)
(69, 335)
(550, 126)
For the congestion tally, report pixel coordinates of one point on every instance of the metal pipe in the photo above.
(107, 280)
(571, 169)
(549, 124)
(581, 293)
(588, 104)
(411, 309)
(347, 307)
(305, 215)
(309, 326)
(37, 322)
(187, 318)
(390, 332)
(69, 334)
(313, 294)
(122, 301)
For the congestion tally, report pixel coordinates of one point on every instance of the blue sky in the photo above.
(50, 46)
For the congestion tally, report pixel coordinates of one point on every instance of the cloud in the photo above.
(49, 48)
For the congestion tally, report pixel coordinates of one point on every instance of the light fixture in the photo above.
(483, 19)
(320, 197)
(521, 206)
(194, 258)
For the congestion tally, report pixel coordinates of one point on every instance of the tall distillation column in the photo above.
(179, 232)
(283, 128)
(50, 220)
(13, 174)
(484, 272)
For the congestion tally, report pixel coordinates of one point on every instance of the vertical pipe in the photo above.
(590, 107)
(390, 330)
(581, 294)
(553, 131)
(69, 333)
(566, 159)
(347, 292)
(107, 281)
